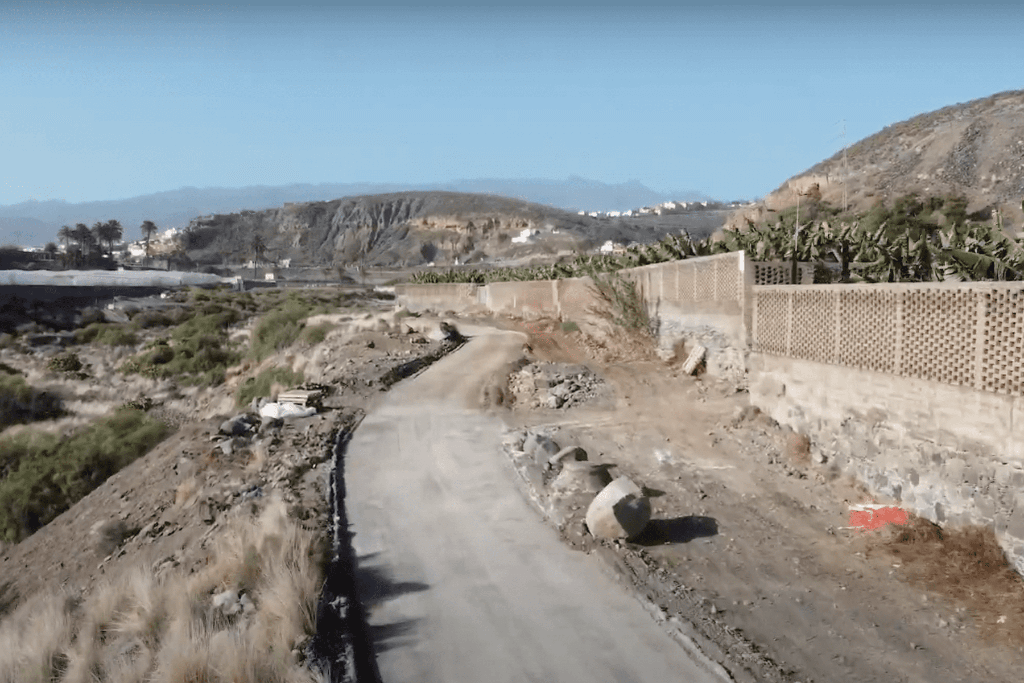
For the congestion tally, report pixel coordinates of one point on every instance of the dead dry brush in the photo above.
(966, 566)
(621, 303)
(243, 618)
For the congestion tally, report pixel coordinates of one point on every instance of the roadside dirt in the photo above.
(749, 543)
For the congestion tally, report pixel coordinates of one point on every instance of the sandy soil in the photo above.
(749, 543)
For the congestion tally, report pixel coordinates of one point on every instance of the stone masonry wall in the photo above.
(950, 454)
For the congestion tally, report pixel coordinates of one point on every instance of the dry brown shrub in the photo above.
(798, 449)
(139, 627)
(967, 566)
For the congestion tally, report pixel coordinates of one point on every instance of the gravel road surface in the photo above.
(462, 580)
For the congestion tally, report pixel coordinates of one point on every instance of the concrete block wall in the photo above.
(915, 389)
(701, 299)
(965, 334)
(457, 297)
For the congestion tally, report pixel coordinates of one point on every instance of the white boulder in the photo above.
(620, 510)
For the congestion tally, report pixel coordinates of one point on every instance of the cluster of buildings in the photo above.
(660, 209)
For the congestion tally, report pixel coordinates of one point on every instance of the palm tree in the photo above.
(83, 237)
(259, 248)
(148, 228)
(98, 230)
(65, 235)
(111, 231)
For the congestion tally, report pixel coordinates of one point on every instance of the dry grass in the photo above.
(966, 566)
(142, 627)
(798, 449)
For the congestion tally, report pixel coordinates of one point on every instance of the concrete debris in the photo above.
(619, 511)
(694, 359)
(555, 385)
(276, 411)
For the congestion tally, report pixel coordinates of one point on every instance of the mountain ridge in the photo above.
(37, 222)
(974, 149)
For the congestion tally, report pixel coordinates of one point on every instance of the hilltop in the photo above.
(974, 149)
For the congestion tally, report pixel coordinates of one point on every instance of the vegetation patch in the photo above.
(42, 475)
(67, 362)
(197, 353)
(21, 403)
(279, 328)
(107, 334)
(263, 383)
(621, 303)
(315, 334)
(245, 617)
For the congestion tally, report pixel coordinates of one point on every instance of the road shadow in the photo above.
(677, 530)
(374, 585)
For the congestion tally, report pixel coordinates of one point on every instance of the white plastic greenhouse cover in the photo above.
(109, 278)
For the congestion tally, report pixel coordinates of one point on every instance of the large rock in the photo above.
(581, 476)
(239, 425)
(540, 448)
(567, 454)
(621, 510)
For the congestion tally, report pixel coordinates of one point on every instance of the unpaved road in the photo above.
(461, 579)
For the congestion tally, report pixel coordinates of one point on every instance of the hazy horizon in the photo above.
(112, 100)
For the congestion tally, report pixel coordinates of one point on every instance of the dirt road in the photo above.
(461, 579)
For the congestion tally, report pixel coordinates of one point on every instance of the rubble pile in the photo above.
(555, 385)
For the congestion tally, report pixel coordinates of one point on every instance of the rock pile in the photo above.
(570, 489)
(555, 385)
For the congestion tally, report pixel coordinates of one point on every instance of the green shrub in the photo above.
(570, 326)
(260, 385)
(65, 362)
(108, 334)
(314, 334)
(279, 328)
(197, 352)
(21, 403)
(144, 320)
(43, 474)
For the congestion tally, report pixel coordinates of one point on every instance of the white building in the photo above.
(525, 236)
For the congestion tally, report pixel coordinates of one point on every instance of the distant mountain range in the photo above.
(35, 223)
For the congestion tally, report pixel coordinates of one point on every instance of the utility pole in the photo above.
(796, 231)
(845, 167)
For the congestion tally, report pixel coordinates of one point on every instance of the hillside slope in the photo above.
(414, 228)
(974, 149)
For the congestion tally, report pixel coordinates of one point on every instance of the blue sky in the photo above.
(112, 100)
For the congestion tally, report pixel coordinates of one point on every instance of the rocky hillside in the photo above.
(974, 149)
(415, 228)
